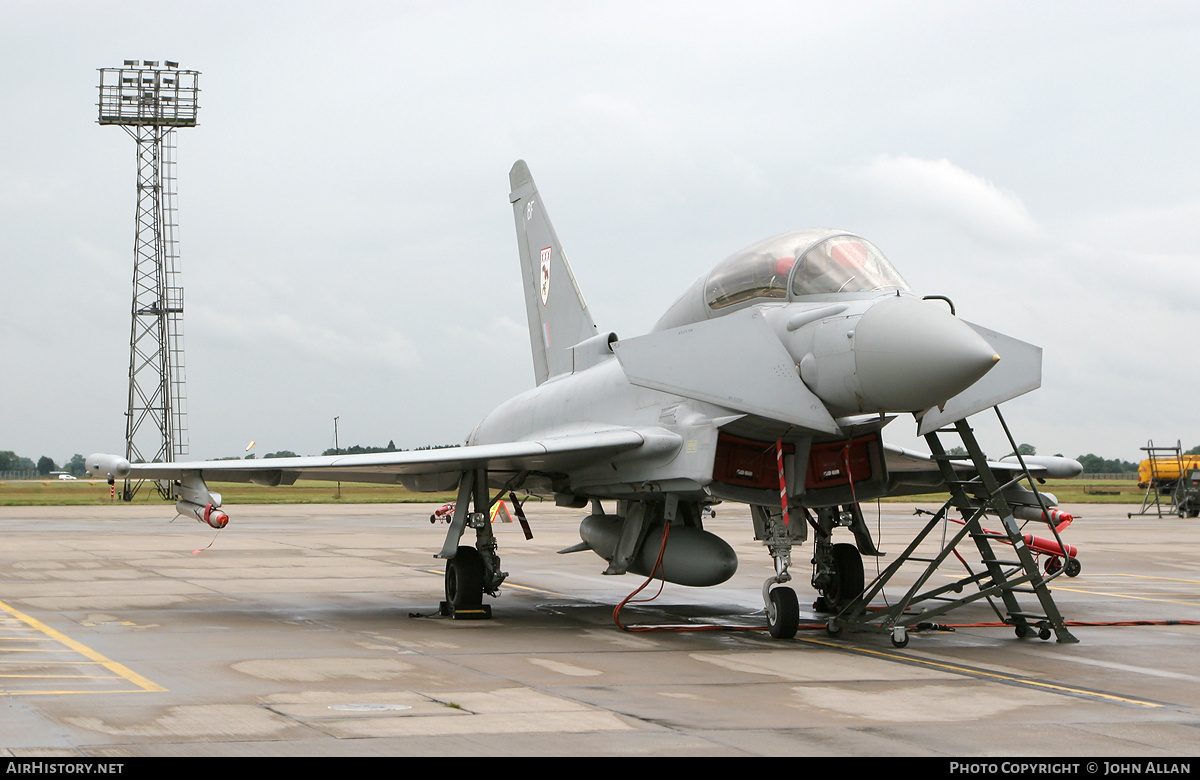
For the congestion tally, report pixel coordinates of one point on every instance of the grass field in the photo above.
(84, 492)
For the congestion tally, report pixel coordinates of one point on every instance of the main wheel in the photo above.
(464, 578)
(783, 618)
(847, 576)
(1074, 567)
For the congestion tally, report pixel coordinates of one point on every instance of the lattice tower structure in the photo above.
(150, 101)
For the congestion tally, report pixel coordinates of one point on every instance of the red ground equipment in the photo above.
(1057, 555)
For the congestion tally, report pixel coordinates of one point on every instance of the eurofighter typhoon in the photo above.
(768, 382)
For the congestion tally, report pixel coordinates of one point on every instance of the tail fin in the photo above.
(558, 317)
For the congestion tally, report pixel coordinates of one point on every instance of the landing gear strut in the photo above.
(471, 571)
(783, 608)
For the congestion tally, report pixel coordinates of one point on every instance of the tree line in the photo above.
(11, 461)
(354, 449)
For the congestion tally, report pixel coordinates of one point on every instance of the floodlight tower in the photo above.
(149, 102)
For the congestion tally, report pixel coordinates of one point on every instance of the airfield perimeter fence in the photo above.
(27, 474)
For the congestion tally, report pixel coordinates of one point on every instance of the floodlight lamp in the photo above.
(131, 63)
(150, 63)
(172, 64)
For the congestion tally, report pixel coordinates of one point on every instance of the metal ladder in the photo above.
(999, 581)
(1160, 457)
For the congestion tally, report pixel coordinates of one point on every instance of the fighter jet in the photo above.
(768, 382)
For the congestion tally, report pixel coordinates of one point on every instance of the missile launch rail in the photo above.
(999, 581)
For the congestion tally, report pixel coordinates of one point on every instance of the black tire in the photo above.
(1053, 564)
(902, 642)
(783, 619)
(1023, 630)
(848, 581)
(1074, 567)
(464, 578)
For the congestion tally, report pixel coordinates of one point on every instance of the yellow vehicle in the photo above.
(1164, 470)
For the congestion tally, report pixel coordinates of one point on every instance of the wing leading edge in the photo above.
(436, 469)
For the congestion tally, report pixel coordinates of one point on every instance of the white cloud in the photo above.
(379, 347)
(942, 189)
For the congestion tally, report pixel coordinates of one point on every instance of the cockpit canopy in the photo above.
(801, 263)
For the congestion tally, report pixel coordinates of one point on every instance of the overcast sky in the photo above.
(348, 246)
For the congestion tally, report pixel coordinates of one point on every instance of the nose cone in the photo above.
(912, 354)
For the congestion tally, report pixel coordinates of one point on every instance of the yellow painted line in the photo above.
(84, 650)
(1127, 596)
(48, 663)
(60, 676)
(533, 590)
(1148, 577)
(507, 584)
(1007, 678)
(69, 691)
(25, 639)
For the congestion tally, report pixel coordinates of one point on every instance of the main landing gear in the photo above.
(471, 571)
(837, 576)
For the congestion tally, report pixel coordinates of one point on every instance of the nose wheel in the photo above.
(782, 606)
(783, 613)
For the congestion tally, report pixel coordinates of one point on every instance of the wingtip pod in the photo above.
(107, 466)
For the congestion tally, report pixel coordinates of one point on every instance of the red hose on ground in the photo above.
(817, 626)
